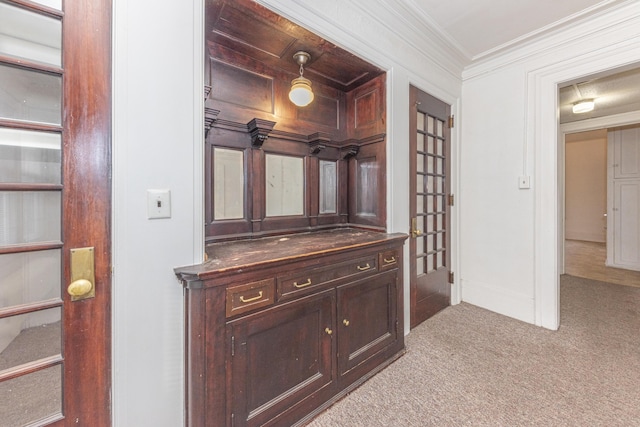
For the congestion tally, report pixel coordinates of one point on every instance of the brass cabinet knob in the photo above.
(345, 322)
(79, 287)
(328, 331)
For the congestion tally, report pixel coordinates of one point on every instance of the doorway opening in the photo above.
(590, 208)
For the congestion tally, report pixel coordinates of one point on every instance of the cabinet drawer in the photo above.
(388, 260)
(300, 282)
(250, 296)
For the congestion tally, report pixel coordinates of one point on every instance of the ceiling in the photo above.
(245, 31)
(613, 94)
(479, 28)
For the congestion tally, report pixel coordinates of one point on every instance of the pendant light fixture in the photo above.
(301, 93)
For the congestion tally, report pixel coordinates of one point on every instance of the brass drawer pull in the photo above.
(366, 267)
(390, 261)
(302, 285)
(256, 298)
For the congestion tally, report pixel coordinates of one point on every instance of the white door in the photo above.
(626, 217)
(623, 239)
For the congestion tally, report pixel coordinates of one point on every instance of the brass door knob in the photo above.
(80, 287)
(414, 228)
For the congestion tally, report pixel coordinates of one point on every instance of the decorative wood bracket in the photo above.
(349, 150)
(207, 91)
(210, 116)
(259, 130)
(318, 142)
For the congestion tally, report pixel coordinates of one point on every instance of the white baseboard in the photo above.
(499, 300)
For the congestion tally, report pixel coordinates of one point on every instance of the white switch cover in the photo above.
(524, 182)
(158, 204)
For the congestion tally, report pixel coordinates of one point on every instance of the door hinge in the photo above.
(451, 277)
(451, 200)
(233, 346)
(450, 121)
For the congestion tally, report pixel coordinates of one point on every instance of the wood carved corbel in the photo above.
(259, 130)
(210, 116)
(318, 142)
(349, 148)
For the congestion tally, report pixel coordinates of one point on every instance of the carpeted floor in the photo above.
(470, 367)
(36, 396)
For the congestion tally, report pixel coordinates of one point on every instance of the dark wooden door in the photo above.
(430, 190)
(366, 324)
(279, 358)
(55, 200)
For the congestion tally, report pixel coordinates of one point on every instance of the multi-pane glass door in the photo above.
(431, 193)
(429, 246)
(31, 138)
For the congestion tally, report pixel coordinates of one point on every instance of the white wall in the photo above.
(509, 236)
(157, 144)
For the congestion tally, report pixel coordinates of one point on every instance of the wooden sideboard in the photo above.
(279, 328)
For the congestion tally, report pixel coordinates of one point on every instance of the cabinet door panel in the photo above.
(367, 323)
(280, 357)
(626, 153)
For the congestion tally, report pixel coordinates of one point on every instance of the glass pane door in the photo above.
(31, 362)
(431, 193)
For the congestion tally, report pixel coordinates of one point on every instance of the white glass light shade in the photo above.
(583, 106)
(301, 93)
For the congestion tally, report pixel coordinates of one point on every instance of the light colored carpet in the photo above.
(37, 395)
(470, 367)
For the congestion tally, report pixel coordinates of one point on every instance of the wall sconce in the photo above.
(583, 106)
(301, 93)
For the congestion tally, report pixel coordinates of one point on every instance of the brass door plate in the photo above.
(82, 268)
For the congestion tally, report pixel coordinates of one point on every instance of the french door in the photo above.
(55, 212)
(429, 206)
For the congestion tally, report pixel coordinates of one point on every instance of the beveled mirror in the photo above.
(228, 183)
(328, 187)
(284, 185)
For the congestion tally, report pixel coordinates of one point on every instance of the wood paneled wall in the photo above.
(346, 127)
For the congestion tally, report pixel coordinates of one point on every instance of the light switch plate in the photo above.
(158, 204)
(524, 182)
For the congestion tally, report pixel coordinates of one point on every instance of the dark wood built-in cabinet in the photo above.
(299, 299)
(280, 327)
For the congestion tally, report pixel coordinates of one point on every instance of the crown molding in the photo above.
(546, 30)
(430, 25)
(418, 29)
(589, 28)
